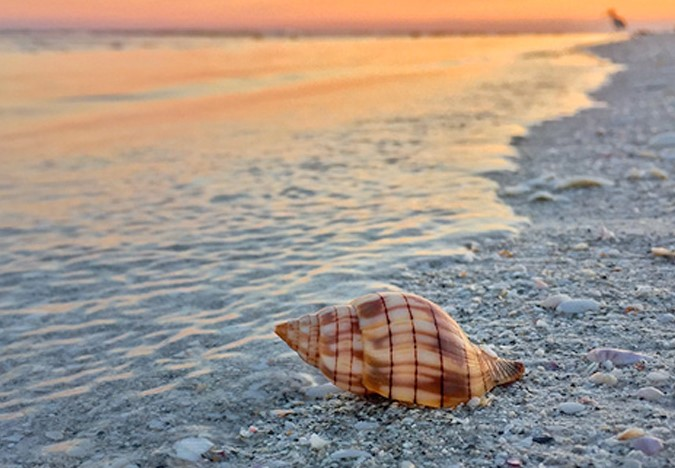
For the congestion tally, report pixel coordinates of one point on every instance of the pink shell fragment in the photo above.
(618, 357)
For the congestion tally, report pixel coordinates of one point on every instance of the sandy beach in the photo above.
(599, 191)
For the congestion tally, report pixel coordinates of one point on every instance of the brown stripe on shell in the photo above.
(440, 355)
(414, 337)
(391, 346)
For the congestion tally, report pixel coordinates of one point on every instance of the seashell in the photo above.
(650, 394)
(400, 346)
(630, 433)
(577, 306)
(619, 357)
(648, 445)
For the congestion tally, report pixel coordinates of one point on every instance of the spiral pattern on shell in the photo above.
(400, 346)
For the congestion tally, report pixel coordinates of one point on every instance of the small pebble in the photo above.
(571, 407)
(580, 246)
(473, 403)
(650, 394)
(317, 442)
(648, 445)
(191, 448)
(365, 426)
(577, 306)
(406, 464)
(348, 453)
(543, 439)
(601, 378)
(321, 391)
(551, 302)
(54, 435)
(542, 196)
(658, 377)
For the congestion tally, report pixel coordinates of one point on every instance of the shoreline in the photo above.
(591, 242)
(587, 243)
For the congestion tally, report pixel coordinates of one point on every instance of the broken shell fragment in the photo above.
(400, 346)
(630, 433)
(618, 357)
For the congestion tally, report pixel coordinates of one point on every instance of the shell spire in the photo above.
(400, 346)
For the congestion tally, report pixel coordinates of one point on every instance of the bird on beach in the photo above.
(618, 22)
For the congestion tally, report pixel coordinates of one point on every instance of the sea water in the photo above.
(164, 193)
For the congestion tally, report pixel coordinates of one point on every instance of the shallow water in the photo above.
(164, 200)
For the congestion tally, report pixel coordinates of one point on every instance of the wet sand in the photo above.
(591, 242)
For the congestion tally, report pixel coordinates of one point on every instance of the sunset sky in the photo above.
(332, 15)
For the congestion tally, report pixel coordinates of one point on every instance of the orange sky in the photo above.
(325, 14)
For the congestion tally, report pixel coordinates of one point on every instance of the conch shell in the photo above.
(400, 346)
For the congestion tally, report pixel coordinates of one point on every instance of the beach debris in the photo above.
(346, 343)
(349, 453)
(630, 433)
(542, 196)
(317, 442)
(605, 234)
(281, 413)
(657, 173)
(580, 246)
(663, 140)
(601, 378)
(648, 445)
(192, 448)
(618, 357)
(505, 253)
(540, 283)
(658, 377)
(217, 454)
(514, 462)
(649, 394)
(582, 182)
(571, 407)
(246, 433)
(663, 252)
(577, 306)
(551, 302)
(633, 309)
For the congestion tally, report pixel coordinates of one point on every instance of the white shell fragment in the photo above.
(317, 442)
(191, 448)
(650, 394)
(577, 306)
(582, 182)
(551, 302)
(618, 357)
(600, 378)
(648, 445)
(571, 407)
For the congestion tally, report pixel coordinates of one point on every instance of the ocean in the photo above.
(164, 199)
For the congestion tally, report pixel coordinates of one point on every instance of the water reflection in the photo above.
(161, 207)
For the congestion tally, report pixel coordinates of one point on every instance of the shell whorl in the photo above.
(400, 346)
